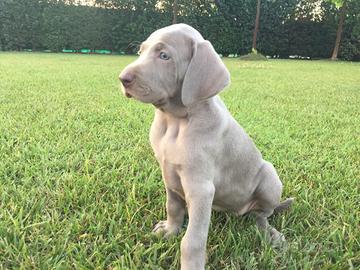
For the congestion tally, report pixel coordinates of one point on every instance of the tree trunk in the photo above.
(342, 11)
(175, 9)
(256, 29)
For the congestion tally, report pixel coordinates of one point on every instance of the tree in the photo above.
(20, 24)
(175, 10)
(256, 28)
(350, 40)
(239, 17)
(341, 5)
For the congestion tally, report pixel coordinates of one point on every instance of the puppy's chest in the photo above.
(166, 141)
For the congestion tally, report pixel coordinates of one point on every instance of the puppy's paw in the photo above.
(165, 229)
(277, 239)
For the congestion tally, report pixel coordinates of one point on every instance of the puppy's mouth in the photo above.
(137, 93)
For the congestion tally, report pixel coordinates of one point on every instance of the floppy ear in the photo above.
(206, 74)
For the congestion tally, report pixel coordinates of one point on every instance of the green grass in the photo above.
(80, 188)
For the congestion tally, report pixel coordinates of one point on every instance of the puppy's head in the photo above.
(175, 62)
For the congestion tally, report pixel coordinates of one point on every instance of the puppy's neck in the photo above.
(174, 107)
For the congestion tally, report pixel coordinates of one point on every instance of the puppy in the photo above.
(207, 160)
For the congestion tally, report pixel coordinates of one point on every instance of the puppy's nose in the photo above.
(127, 78)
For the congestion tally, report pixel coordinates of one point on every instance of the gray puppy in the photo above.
(207, 159)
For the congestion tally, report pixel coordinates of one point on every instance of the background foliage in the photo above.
(287, 27)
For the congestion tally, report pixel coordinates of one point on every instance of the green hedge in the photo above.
(120, 26)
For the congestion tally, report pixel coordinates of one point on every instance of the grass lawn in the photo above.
(80, 188)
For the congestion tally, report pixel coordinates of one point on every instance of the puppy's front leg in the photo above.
(175, 210)
(199, 198)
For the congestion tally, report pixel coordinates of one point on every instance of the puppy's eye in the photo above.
(164, 56)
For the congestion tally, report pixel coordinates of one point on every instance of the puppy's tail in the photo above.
(284, 205)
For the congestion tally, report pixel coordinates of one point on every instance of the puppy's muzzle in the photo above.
(127, 78)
